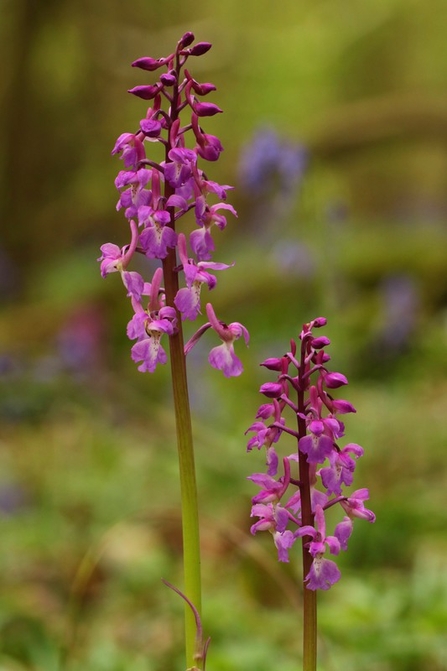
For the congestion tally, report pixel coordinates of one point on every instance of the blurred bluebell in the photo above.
(12, 498)
(269, 162)
(400, 301)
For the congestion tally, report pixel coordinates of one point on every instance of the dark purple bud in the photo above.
(202, 89)
(147, 63)
(167, 79)
(150, 127)
(200, 48)
(271, 389)
(206, 109)
(319, 321)
(272, 364)
(342, 407)
(186, 40)
(209, 148)
(145, 92)
(319, 343)
(335, 380)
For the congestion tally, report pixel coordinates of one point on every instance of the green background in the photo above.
(89, 503)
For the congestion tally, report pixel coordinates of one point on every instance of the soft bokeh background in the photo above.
(335, 134)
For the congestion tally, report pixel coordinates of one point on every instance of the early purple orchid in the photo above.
(300, 513)
(157, 195)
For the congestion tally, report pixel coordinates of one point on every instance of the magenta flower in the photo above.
(136, 195)
(148, 349)
(318, 535)
(157, 236)
(206, 216)
(131, 148)
(355, 507)
(134, 284)
(341, 469)
(271, 491)
(114, 259)
(187, 300)
(323, 574)
(317, 447)
(110, 258)
(343, 532)
(223, 357)
(283, 542)
(179, 170)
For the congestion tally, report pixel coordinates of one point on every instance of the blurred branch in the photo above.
(355, 126)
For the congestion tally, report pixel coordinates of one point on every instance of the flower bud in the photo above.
(147, 63)
(335, 380)
(150, 127)
(186, 40)
(271, 389)
(206, 109)
(272, 364)
(200, 48)
(202, 89)
(145, 92)
(168, 79)
(319, 343)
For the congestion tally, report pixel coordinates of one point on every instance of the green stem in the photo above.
(185, 446)
(188, 486)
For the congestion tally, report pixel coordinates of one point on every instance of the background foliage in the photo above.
(89, 512)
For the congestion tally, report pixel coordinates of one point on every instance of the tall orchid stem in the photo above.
(185, 446)
(188, 486)
(309, 596)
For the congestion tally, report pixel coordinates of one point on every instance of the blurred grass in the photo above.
(99, 525)
(89, 504)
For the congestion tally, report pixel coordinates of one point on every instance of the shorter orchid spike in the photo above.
(293, 505)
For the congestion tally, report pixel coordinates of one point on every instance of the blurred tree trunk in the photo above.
(23, 157)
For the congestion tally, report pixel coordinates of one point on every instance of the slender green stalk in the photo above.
(185, 187)
(188, 486)
(185, 446)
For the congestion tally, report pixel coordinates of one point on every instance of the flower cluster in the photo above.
(294, 507)
(154, 196)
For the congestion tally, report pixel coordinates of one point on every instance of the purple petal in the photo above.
(323, 574)
(317, 448)
(343, 531)
(187, 302)
(150, 352)
(223, 358)
(283, 542)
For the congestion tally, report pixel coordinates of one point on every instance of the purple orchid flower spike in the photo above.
(157, 196)
(293, 506)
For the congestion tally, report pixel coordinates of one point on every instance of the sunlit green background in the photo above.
(89, 503)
